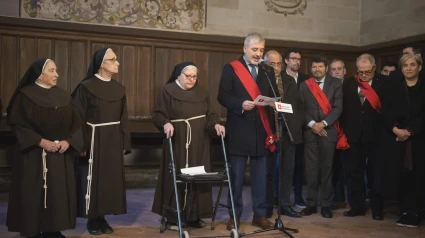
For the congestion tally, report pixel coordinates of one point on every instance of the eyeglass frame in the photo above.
(190, 76)
(114, 60)
(367, 72)
(273, 64)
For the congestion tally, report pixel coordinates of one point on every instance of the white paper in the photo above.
(284, 107)
(265, 101)
(198, 170)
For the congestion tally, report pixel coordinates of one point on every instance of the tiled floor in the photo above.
(140, 222)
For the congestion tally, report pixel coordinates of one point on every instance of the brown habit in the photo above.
(175, 103)
(102, 102)
(39, 113)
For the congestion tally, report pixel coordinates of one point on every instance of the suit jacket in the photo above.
(333, 90)
(245, 131)
(301, 77)
(361, 123)
(289, 91)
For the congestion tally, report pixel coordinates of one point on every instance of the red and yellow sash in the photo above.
(324, 104)
(253, 90)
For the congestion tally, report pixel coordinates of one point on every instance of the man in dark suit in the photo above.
(288, 91)
(250, 128)
(408, 49)
(322, 99)
(293, 62)
(361, 121)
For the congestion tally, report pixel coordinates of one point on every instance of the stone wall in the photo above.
(345, 22)
(386, 20)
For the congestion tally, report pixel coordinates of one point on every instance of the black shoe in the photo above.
(326, 212)
(413, 221)
(300, 203)
(308, 211)
(56, 234)
(377, 214)
(402, 221)
(288, 211)
(93, 227)
(104, 226)
(354, 213)
(196, 224)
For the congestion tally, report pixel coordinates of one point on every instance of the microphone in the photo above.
(264, 65)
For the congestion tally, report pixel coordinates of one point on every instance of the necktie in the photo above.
(318, 83)
(362, 97)
(253, 71)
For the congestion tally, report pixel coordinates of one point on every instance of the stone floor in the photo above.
(140, 222)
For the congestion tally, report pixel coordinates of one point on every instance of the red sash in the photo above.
(253, 90)
(324, 104)
(370, 94)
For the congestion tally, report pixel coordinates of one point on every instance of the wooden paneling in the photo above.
(9, 68)
(146, 62)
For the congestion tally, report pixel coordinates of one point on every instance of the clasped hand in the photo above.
(53, 147)
(319, 129)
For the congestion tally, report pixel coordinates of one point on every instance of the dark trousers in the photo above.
(411, 200)
(286, 160)
(319, 156)
(361, 158)
(299, 171)
(258, 184)
(340, 177)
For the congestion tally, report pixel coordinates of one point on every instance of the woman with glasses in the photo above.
(100, 174)
(403, 164)
(184, 112)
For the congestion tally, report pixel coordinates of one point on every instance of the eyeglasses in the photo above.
(190, 76)
(113, 60)
(275, 64)
(295, 58)
(368, 72)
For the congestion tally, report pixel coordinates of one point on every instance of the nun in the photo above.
(102, 103)
(184, 112)
(47, 126)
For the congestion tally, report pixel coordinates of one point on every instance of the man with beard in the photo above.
(251, 127)
(322, 99)
(293, 62)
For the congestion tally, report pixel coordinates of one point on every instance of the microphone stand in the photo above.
(278, 221)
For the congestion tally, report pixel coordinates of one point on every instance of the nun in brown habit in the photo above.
(184, 112)
(102, 103)
(47, 126)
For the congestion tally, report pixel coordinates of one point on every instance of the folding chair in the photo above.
(196, 179)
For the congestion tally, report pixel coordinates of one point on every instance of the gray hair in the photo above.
(366, 57)
(405, 57)
(338, 60)
(253, 38)
(266, 56)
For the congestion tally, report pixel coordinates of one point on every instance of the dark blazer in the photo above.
(301, 77)
(333, 91)
(244, 130)
(295, 120)
(361, 123)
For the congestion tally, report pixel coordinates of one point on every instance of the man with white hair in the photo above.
(251, 130)
(362, 123)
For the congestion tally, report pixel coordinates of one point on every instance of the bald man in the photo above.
(289, 94)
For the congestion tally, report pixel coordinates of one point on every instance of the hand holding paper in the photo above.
(265, 101)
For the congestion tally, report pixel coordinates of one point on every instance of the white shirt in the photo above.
(295, 77)
(370, 83)
(249, 66)
(311, 123)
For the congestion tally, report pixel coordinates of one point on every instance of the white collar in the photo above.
(178, 83)
(102, 78)
(43, 86)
